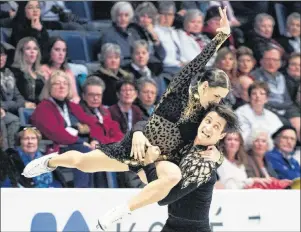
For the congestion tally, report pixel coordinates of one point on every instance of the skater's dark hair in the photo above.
(228, 114)
(214, 76)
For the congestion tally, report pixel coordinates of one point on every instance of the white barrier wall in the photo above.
(78, 210)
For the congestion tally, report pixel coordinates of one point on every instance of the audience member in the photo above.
(92, 104)
(258, 165)
(122, 14)
(28, 150)
(110, 72)
(245, 60)
(232, 172)
(261, 37)
(192, 40)
(11, 101)
(55, 58)
(65, 123)
(27, 23)
(169, 38)
(125, 112)
(282, 156)
(279, 100)
(147, 92)
(253, 115)
(26, 69)
(291, 41)
(242, 97)
(293, 75)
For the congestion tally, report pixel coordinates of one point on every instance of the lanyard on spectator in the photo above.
(128, 118)
(98, 115)
(64, 112)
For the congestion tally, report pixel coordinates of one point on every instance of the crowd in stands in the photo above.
(53, 99)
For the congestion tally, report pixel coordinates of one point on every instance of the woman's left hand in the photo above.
(211, 154)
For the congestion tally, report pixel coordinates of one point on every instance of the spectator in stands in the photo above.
(9, 126)
(169, 38)
(140, 57)
(110, 72)
(245, 60)
(26, 69)
(91, 103)
(226, 61)
(291, 41)
(140, 62)
(10, 176)
(145, 19)
(28, 150)
(258, 165)
(122, 14)
(281, 157)
(253, 115)
(124, 112)
(232, 172)
(56, 16)
(261, 36)
(242, 97)
(11, 101)
(55, 58)
(65, 123)
(192, 39)
(279, 99)
(27, 22)
(293, 75)
(8, 11)
(147, 92)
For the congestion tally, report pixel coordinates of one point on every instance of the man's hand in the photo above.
(139, 144)
(211, 154)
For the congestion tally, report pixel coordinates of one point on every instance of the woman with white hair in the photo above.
(110, 72)
(26, 69)
(258, 166)
(122, 14)
(291, 40)
(191, 38)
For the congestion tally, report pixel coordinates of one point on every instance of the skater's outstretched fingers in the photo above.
(224, 22)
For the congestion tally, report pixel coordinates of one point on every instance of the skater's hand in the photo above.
(211, 154)
(152, 154)
(224, 22)
(139, 144)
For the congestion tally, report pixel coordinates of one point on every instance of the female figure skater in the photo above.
(173, 124)
(189, 201)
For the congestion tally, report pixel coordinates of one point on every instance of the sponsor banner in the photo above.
(78, 210)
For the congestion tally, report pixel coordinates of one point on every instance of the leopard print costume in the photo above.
(169, 127)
